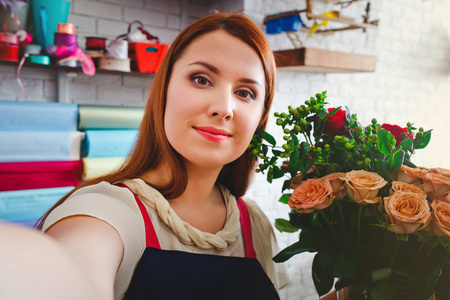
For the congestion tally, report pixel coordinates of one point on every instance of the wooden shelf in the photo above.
(62, 75)
(323, 61)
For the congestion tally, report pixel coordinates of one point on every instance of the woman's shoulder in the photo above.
(111, 203)
(102, 189)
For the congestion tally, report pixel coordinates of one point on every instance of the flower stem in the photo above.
(326, 219)
(341, 213)
(418, 251)
(360, 209)
(307, 138)
(397, 248)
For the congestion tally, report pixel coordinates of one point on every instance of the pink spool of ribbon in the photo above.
(24, 37)
(66, 48)
(9, 38)
(65, 45)
(87, 64)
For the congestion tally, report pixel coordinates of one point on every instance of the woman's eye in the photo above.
(200, 80)
(245, 94)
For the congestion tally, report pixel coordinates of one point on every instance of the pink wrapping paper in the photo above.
(36, 175)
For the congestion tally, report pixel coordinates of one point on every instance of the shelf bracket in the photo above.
(63, 87)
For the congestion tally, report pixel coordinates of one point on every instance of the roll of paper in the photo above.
(36, 116)
(109, 143)
(39, 146)
(98, 166)
(110, 117)
(29, 204)
(37, 175)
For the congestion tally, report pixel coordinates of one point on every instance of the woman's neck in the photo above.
(200, 187)
(202, 204)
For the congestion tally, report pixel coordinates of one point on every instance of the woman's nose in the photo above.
(222, 107)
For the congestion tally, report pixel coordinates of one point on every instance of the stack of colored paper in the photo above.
(39, 157)
(111, 133)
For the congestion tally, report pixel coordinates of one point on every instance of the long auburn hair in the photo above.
(152, 147)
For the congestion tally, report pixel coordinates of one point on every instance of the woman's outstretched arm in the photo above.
(78, 259)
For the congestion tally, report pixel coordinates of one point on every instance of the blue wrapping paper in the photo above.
(39, 146)
(26, 205)
(36, 116)
(109, 143)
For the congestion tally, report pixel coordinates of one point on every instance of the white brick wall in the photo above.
(411, 81)
(97, 9)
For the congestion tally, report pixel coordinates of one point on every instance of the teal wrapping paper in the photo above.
(109, 143)
(26, 205)
(39, 146)
(36, 116)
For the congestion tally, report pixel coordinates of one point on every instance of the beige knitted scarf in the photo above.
(186, 233)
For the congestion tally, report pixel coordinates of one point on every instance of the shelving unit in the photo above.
(318, 60)
(63, 77)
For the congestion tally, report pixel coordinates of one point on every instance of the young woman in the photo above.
(170, 224)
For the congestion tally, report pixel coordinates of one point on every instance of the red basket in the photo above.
(146, 57)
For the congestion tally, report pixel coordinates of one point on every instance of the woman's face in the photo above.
(215, 100)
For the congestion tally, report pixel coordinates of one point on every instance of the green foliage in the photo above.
(284, 226)
(351, 241)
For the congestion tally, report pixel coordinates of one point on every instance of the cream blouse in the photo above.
(117, 206)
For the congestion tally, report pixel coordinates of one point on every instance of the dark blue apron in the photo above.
(177, 275)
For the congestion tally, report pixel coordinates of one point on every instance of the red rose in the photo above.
(396, 132)
(335, 125)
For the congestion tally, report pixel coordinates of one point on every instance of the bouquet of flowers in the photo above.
(377, 223)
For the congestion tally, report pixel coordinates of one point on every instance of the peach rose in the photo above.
(442, 171)
(409, 175)
(399, 186)
(337, 183)
(311, 195)
(440, 222)
(436, 185)
(408, 212)
(363, 186)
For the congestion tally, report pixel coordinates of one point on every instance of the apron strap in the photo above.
(246, 228)
(151, 239)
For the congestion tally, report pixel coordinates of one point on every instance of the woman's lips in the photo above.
(213, 134)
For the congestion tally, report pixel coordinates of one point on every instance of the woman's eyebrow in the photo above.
(216, 71)
(248, 80)
(207, 65)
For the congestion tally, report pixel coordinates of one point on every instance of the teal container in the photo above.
(46, 16)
